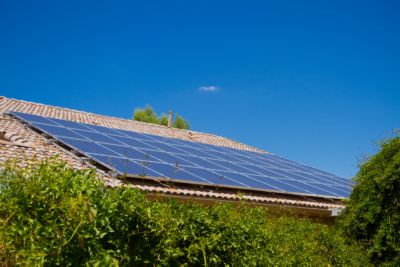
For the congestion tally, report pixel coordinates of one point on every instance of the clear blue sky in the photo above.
(314, 81)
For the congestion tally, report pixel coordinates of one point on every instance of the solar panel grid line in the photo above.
(237, 182)
(85, 139)
(54, 131)
(252, 183)
(261, 180)
(205, 161)
(330, 188)
(131, 153)
(178, 170)
(123, 166)
(169, 147)
(295, 165)
(309, 168)
(299, 166)
(280, 187)
(246, 169)
(95, 130)
(82, 145)
(137, 143)
(28, 118)
(70, 124)
(170, 158)
(313, 188)
(320, 184)
(82, 131)
(318, 179)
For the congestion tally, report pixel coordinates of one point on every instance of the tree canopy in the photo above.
(147, 114)
(372, 214)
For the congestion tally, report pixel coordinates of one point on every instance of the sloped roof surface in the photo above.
(8, 104)
(39, 148)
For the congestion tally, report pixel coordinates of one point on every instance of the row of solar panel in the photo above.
(129, 152)
(151, 142)
(98, 137)
(218, 177)
(138, 150)
(139, 154)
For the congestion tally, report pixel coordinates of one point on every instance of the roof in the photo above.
(35, 146)
(9, 104)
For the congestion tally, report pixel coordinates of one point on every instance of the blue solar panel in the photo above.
(131, 153)
(103, 130)
(169, 158)
(136, 143)
(141, 155)
(32, 118)
(86, 146)
(249, 181)
(58, 131)
(175, 172)
(70, 124)
(98, 137)
(126, 166)
(166, 147)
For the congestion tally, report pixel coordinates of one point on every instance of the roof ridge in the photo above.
(108, 116)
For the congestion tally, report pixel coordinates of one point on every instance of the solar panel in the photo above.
(156, 157)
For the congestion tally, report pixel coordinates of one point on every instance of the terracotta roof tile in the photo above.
(8, 104)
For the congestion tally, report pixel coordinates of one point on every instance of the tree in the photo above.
(180, 123)
(147, 114)
(372, 214)
(163, 119)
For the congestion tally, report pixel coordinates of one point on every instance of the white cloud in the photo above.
(209, 89)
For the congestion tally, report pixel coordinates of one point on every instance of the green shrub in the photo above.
(53, 215)
(372, 215)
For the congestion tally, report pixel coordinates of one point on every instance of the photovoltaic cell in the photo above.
(70, 124)
(87, 146)
(32, 118)
(145, 155)
(97, 137)
(58, 131)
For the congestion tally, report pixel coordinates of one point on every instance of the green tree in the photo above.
(180, 123)
(372, 214)
(163, 120)
(146, 114)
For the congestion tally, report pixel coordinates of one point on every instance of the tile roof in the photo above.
(9, 104)
(40, 148)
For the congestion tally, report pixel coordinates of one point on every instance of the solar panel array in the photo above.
(144, 155)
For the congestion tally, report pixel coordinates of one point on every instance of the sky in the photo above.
(317, 82)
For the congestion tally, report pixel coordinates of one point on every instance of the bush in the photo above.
(372, 215)
(53, 215)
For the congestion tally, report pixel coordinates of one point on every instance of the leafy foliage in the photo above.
(53, 215)
(147, 114)
(372, 214)
(180, 122)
